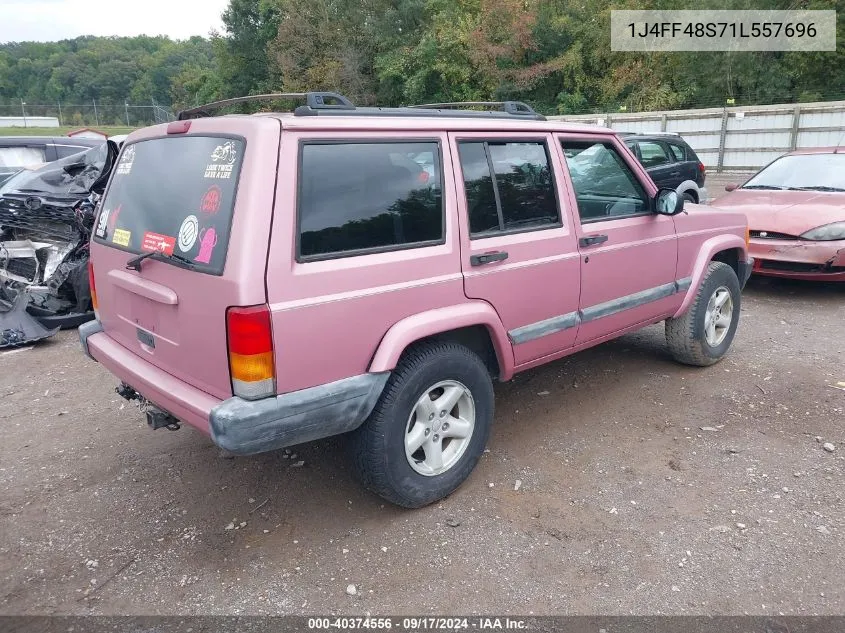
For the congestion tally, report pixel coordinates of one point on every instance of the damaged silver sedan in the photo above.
(46, 219)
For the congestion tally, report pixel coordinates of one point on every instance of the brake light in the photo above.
(178, 127)
(250, 338)
(702, 168)
(93, 289)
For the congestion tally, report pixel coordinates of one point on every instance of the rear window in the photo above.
(174, 195)
(362, 197)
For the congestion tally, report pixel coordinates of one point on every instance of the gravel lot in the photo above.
(646, 488)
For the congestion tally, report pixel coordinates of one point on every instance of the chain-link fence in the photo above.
(94, 114)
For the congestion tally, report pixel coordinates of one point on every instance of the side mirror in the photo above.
(668, 202)
(731, 186)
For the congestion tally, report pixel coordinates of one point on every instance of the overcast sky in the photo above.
(51, 20)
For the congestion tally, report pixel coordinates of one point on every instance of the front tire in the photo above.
(429, 427)
(703, 335)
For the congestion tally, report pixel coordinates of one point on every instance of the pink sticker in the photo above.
(208, 240)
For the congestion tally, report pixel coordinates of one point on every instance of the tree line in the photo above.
(553, 54)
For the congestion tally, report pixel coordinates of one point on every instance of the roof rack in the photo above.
(331, 103)
(649, 134)
(515, 108)
(313, 100)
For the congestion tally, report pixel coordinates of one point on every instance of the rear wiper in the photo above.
(773, 187)
(817, 188)
(135, 262)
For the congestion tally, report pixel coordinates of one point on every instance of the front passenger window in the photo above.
(605, 187)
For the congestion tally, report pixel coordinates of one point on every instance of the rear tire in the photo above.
(690, 198)
(437, 393)
(703, 335)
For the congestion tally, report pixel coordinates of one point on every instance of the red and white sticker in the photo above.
(211, 200)
(161, 243)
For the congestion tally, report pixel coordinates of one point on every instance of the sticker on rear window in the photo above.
(122, 237)
(112, 223)
(222, 161)
(208, 240)
(126, 161)
(103, 223)
(161, 243)
(188, 233)
(211, 200)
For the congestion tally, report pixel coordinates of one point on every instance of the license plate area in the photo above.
(146, 338)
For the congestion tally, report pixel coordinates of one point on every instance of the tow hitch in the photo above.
(156, 418)
(127, 392)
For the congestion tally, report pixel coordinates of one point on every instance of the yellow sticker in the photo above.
(121, 237)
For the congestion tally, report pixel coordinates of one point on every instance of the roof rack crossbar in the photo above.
(314, 100)
(517, 108)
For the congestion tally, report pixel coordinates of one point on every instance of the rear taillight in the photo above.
(251, 363)
(94, 304)
(702, 168)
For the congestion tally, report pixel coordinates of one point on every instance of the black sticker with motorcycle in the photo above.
(222, 161)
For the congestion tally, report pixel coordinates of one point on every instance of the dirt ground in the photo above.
(626, 504)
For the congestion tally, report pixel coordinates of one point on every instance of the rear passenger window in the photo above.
(508, 186)
(653, 154)
(678, 151)
(357, 197)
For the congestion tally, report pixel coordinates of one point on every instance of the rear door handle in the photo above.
(487, 258)
(592, 240)
(675, 173)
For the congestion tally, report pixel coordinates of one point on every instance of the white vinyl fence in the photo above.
(737, 138)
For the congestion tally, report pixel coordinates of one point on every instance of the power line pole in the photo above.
(96, 116)
(60, 113)
(126, 105)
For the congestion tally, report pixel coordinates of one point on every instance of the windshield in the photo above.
(75, 174)
(815, 172)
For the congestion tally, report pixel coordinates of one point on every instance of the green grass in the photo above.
(58, 131)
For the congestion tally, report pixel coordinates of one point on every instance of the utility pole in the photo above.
(60, 112)
(96, 116)
(23, 111)
(126, 105)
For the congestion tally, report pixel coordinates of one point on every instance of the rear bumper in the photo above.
(246, 427)
(243, 427)
(178, 398)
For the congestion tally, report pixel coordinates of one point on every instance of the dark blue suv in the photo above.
(670, 162)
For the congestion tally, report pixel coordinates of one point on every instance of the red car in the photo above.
(796, 215)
